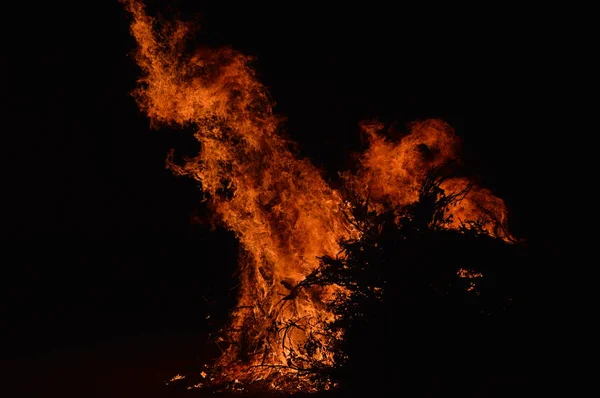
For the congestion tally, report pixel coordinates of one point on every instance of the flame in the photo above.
(392, 172)
(279, 206)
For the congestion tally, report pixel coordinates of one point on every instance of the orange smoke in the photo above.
(278, 205)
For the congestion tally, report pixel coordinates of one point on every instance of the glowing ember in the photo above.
(177, 377)
(282, 211)
(471, 277)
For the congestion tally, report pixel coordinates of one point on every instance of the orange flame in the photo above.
(279, 206)
(281, 209)
(392, 172)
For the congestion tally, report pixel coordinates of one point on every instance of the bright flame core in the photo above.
(278, 205)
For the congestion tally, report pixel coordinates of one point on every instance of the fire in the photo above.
(279, 206)
(392, 172)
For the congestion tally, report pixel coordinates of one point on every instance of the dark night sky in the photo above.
(101, 232)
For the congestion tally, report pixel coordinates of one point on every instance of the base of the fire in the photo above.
(419, 306)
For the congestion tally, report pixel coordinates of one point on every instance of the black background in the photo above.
(98, 233)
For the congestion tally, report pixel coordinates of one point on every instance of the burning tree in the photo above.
(283, 212)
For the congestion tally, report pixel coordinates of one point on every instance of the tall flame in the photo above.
(279, 206)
